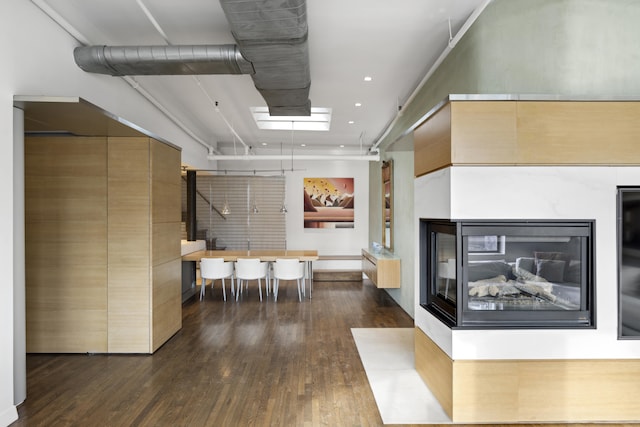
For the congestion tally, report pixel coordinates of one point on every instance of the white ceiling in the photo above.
(394, 42)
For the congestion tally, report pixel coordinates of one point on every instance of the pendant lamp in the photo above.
(225, 206)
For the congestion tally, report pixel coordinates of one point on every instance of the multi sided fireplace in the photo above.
(508, 274)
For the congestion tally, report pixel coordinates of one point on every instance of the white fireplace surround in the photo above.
(505, 192)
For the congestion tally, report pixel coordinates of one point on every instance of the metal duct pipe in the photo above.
(162, 60)
(272, 47)
(272, 34)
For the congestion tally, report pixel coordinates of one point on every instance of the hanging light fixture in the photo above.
(254, 206)
(283, 209)
(225, 206)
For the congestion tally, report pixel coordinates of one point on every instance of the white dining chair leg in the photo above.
(274, 282)
(305, 270)
(204, 285)
(224, 292)
(299, 296)
(310, 272)
(238, 289)
(275, 289)
(260, 288)
(232, 287)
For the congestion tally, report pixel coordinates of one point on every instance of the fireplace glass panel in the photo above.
(439, 270)
(446, 267)
(523, 274)
(533, 273)
(629, 262)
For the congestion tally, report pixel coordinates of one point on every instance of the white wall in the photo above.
(537, 193)
(326, 241)
(38, 60)
(432, 200)
(403, 225)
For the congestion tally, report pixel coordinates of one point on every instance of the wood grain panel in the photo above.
(167, 301)
(511, 391)
(60, 331)
(588, 390)
(483, 132)
(72, 243)
(129, 245)
(55, 198)
(436, 369)
(75, 157)
(166, 258)
(539, 133)
(165, 242)
(383, 269)
(546, 390)
(600, 133)
(62, 275)
(485, 390)
(432, 143)
(166, 183)
(166, 202)
(65, 244)
(129, 322)
(388, 273)
(369, 268)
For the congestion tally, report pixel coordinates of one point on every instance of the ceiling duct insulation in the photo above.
(272, 47)
(272, 35)
(162, 60)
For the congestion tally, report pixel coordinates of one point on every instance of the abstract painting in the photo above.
(328, 203)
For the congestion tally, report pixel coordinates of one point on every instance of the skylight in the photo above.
(319, 120)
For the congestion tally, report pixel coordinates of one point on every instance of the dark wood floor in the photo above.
(232, 364)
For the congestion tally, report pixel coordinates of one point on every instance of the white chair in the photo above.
(215, 268)
(251, 269)
(287, 269)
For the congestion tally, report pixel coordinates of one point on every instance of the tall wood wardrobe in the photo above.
(103, 267)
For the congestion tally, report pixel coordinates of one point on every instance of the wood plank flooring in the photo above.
(232, 364)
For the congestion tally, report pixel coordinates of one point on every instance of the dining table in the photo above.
(265, 255)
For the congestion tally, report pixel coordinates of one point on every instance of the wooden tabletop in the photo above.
(264, 255)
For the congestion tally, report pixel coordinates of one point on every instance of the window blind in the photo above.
(242, 228)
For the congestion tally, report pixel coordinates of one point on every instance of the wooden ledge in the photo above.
(339, 257)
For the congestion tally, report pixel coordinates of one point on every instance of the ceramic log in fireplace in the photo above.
(508, 274)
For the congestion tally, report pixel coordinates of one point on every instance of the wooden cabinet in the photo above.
(144, 279)
(383, 268)
(102, 245)
(66, 244)
(524, 133)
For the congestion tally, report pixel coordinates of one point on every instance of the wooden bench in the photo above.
(338, 275)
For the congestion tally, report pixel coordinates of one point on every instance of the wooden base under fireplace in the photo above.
(486, 391)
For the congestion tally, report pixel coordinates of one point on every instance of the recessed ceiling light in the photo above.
(264, 143)
(341, 145)
(351, 122)
(367, 78)
(303, 145)
(358, 104)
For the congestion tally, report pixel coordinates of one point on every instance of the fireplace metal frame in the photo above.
(458, 315)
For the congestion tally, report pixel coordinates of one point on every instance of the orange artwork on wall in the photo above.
(328, 203)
